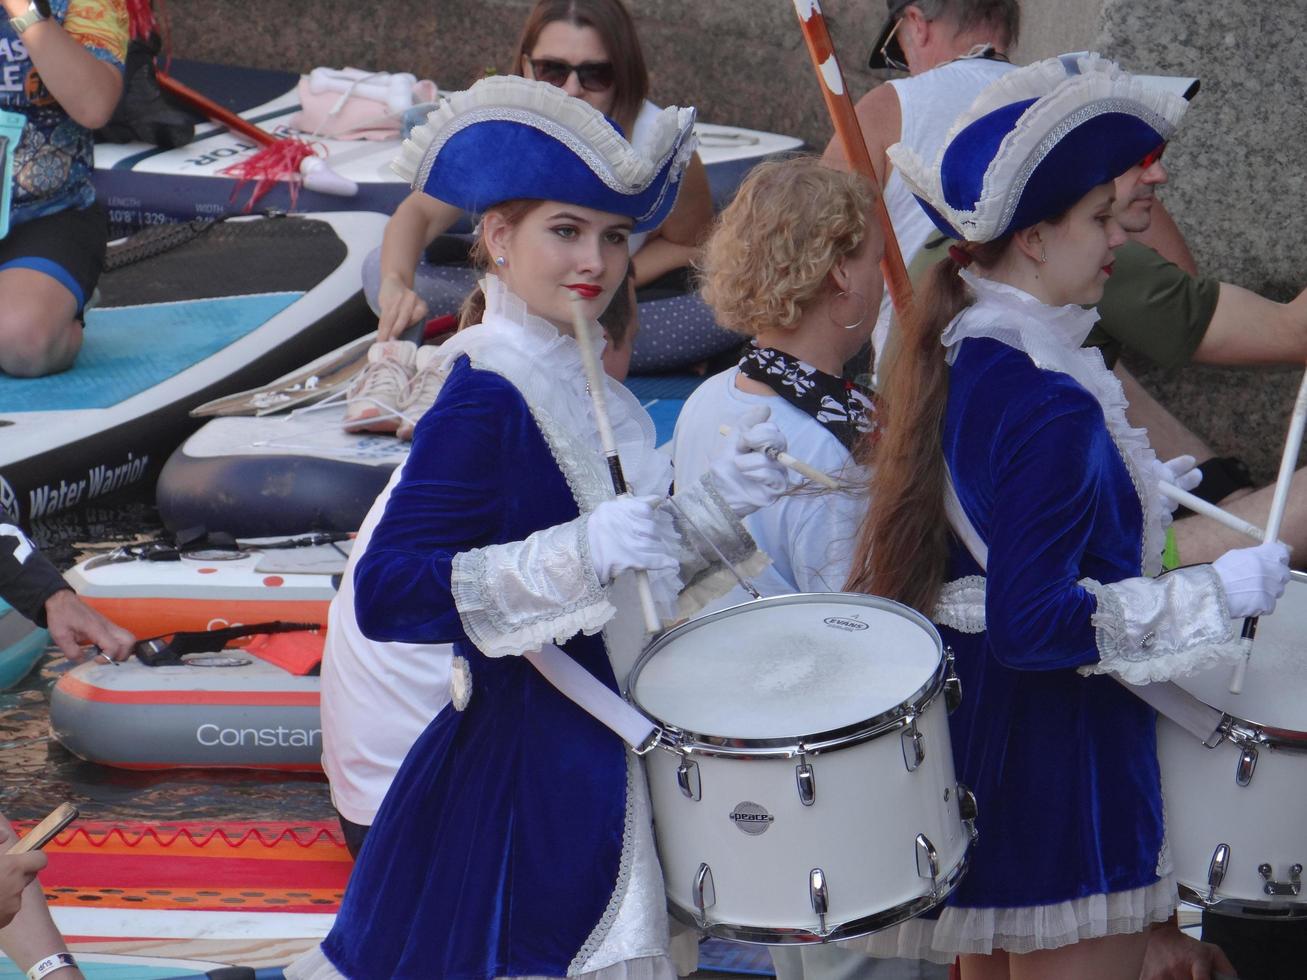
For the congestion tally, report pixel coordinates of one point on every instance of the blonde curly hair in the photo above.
(772, 248)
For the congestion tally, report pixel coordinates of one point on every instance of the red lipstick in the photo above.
(1107, 269)
(588, 290)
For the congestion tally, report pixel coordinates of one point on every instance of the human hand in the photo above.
(73, 624)
(1253, 578)
(1181, 472)
(1171, 955)
(746, 475)
(627, 534)
(16, 873)
(400, 308)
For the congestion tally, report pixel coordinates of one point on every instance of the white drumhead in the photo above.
(787, 666)
(1275, 689)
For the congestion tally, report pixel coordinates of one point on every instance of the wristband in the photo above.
(47, 966)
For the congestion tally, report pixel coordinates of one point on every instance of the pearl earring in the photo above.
(501, 261)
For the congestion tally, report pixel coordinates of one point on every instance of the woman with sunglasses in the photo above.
(589, 48)
(1012, 498)
(516, 839)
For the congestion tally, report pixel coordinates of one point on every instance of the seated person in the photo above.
(67, 58)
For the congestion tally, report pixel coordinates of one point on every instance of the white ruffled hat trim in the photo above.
(1065, 103)
(622, 167)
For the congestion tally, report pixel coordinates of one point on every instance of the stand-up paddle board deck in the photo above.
(142, 184)
(235, 306)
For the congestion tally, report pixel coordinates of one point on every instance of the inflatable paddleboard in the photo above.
(235, 305)
(212, 588)
(277, 474)
(21, 644)
(231, 710)
(142, 185)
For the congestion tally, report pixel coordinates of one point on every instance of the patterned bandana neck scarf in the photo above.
(844, 408)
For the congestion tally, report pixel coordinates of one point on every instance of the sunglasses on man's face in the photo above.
(1152, 156)
(594, 76)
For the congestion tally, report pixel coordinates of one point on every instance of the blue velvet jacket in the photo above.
(1064, 767)
(497, 849)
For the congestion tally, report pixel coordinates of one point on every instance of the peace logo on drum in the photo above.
(805, 789)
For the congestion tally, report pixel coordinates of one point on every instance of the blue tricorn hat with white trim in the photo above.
(1034, 143)
(508, 138)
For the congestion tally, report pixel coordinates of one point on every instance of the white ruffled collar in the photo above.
(1051, 336)
(546, 367)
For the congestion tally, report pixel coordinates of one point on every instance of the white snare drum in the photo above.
(1235, 813)
(809, 794)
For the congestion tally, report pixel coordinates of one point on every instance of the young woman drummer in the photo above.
(1012, 498)
(515, 839)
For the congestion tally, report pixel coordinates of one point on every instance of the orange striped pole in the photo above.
(840, 106)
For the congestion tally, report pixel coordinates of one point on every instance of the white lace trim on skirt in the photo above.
(1024, 929)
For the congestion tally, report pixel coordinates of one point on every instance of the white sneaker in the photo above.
(422, 390)
(372, 404)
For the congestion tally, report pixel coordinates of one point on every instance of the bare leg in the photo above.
(1167, 434)
(1108, 958)
(38, 332)
(1201, 540)
(991, 967)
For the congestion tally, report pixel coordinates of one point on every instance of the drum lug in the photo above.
(807, 783)
(704, 894)
(820, 897)
(952, 684)
(1289, 888)
(687, 778)
(928, 864)
(1243, 770)
(914, 746)
(968, 811)
(1216, 870)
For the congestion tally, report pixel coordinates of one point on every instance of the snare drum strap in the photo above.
(590, 694)
(1166, 698)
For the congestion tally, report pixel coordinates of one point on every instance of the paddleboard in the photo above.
(236, 305)
(21, 644)
(212, 588)
(142, 185)
(281, 473)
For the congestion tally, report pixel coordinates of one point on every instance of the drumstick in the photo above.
(798, 465)
(1200, 506)
(594, 377)
(1288, 461)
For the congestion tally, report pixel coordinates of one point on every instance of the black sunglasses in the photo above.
(594, 76)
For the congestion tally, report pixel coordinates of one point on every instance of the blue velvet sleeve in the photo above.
(450, 499)
(1046, 472)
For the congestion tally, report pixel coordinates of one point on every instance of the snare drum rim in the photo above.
(763, 935)
(814, 743)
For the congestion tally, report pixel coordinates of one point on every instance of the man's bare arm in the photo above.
(1250, 329)
(881, 120)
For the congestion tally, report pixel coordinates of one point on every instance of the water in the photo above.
(39, 773)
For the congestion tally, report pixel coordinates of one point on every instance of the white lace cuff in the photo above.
(1157, 629)
(513, 597)
(961, 605)
(702, 516)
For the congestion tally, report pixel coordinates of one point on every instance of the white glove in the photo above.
(1181, 472)
(1253, 578)
(628, 533)
(746, 477)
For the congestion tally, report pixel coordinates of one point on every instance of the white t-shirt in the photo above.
(377, 698)
(809, 533)
(928, 105)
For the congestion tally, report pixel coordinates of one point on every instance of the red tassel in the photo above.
(279, 160)
(140, 14)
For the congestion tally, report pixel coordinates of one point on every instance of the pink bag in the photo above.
(352, 104)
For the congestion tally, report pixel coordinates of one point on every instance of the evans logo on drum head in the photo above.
(751, 818)
(840, 623)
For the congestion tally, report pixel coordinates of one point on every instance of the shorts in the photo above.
(68, 246)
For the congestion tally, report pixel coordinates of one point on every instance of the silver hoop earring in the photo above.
(862, 301)
(500, 261)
